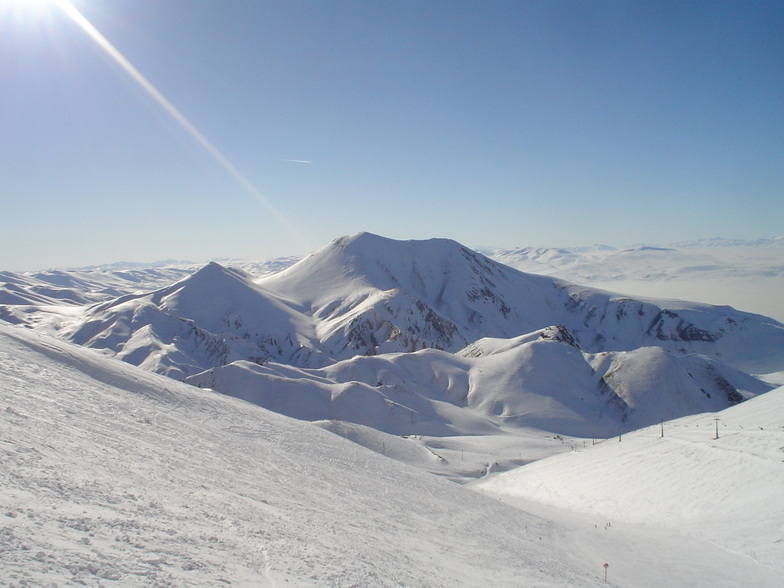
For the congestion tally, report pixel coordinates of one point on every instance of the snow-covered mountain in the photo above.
(431, 338)
(368, 294)
(365, 295)
(424, 351)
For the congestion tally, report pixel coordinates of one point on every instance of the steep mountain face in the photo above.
(371, 295)
(368, 295)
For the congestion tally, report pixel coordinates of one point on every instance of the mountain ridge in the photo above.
(576, 360)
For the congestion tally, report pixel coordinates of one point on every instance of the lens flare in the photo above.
(112, 51)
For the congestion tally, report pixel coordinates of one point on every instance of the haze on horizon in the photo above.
(538, 123)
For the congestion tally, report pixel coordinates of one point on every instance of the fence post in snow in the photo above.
(716, 420)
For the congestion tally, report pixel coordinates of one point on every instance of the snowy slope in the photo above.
(729, 490)
(110, 474)
(114, 476)
(540, 381)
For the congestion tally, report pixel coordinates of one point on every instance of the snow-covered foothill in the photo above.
(538, 381)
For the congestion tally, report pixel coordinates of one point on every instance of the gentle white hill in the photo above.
(540, 381)
(110, 474)
(729, 490)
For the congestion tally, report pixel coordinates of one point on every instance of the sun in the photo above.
(27, 8)
(34, 4)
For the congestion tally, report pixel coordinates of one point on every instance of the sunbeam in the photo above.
(112, 51)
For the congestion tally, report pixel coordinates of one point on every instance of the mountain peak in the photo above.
(212, 281)
(367, 244)
(214, 270)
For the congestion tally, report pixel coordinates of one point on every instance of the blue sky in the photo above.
(492, 123)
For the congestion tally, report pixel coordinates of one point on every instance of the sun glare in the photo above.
(41, 8)
(26, 10)
(27, 5)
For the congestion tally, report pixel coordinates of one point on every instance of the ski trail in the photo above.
(268, 568)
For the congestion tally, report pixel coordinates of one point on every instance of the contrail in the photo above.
(95, 34)
(298, 160)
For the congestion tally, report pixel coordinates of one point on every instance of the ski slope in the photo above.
(114, 476)
(727, 490)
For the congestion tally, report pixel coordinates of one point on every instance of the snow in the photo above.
(727, 490)
(748, 275)
(420, 364)
(114, 475)
(111, 474)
